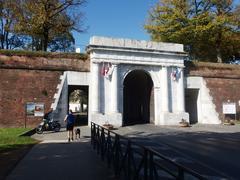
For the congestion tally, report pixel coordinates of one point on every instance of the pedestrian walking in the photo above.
(70, 120)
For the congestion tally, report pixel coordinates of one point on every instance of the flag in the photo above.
(107, 69)
(173, 74)
(104, 69)
(176, 74)
(110, 68)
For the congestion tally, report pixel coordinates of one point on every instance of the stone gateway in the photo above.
(136, 82)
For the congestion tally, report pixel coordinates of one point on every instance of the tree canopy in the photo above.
(8, 40)
(48, 23)
(209, 29)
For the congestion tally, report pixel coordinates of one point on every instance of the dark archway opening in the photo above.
(137, 92)
(191, 97)
(78, 103)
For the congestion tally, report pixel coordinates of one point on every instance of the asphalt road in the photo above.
(213, 150)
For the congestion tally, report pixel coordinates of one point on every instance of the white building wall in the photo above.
(78, 78)
(207, 113)
(61, 109)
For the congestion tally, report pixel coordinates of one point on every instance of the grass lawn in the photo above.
(12, 148)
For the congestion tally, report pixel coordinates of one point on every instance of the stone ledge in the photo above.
(135, 44)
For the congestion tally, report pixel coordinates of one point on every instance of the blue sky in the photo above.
(114, 18)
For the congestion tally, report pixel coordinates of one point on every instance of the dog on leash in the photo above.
(77, 133)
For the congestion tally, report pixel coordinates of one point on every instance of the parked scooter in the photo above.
(48, 124)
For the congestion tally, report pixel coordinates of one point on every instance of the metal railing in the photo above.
(131, 160)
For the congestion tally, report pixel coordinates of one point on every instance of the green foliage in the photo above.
(210, 65)
(45, 20)
(208, 28)
(10, 138)
(8, 40)
(34, 24)
(62, 43)
(78, 96)
(43, 54)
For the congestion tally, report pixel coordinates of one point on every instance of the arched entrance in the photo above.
(137, 92)
(78, 103)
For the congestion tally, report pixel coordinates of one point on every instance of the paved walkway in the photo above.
(55, 158)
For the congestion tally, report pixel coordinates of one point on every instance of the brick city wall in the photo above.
(30, 79)
(35, 79)
(223, 81)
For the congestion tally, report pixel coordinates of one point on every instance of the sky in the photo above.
(114, 18)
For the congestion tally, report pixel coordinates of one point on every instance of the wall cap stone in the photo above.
(135, 44)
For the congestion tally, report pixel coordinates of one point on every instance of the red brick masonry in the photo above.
(223, 81)
(30, 79)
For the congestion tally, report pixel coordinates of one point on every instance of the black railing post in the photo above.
(180, 174)
(151, 164)
(109, 149)
(91, 133)
(94, 136)
(98, 139)
(102, 143)
(145, 164)
(116, 155)
(129, 153)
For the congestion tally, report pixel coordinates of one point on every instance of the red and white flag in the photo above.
(106, 70)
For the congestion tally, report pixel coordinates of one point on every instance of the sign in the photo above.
(34, 109)
(39, 109)
(229, 108)
(30, 108)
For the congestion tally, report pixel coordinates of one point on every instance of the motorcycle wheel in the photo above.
(39, 130)
(57, 127)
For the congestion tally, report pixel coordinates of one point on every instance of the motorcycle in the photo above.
(48, 125)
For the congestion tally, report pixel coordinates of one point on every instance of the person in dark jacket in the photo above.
(70, 120)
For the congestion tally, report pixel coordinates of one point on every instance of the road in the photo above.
(211, 149)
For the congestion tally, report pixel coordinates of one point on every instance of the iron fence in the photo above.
(132, 161)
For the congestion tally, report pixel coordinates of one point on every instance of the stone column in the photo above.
(180, 92)
(157, 104)
(114, 90)
(164, 86)
(95, 88)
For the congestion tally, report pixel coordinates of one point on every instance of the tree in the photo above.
(63, 43)
(79, 96)
(47, 20)
(208, 28)
(8, 40)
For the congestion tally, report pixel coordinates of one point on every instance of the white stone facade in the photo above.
(159, 60)
(206, 110)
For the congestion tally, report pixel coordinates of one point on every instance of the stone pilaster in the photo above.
(95, 88)
(180, 93)
(157, 104)
(114, 90)
(164, 86)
